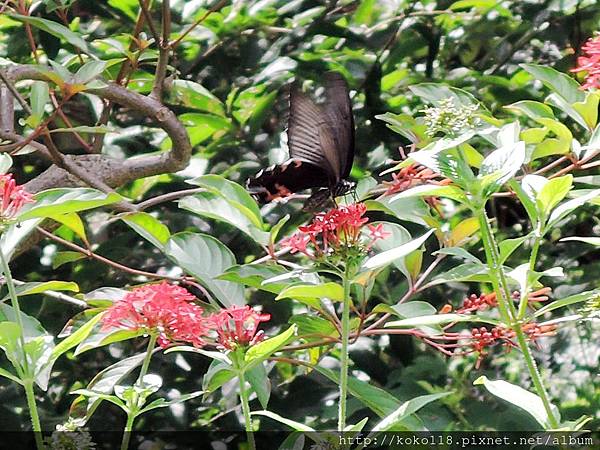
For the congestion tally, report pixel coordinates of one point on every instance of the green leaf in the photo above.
(384, 258)
(532, 109)
(558, 128)
(398, 236)
(559, 82)
(16, 234)
(39, 98)
(104, 382)
(274, 233)
(376, 399)
(553, 192)
(500, 166)
(570, 300)
(89, 71)
(290, 423)
(10, 343)
(588, 109)
(588, 240)
(508, 246)
(99, 338)
(406, 409)
(6, 374)
(409, 209)
(521, 398)
(434, 92)
(73, 222)
(567, 207)
(261, 351)
(194, 95)
(215, 206)
(332, 291)
(53, 28)
(204, 257)
(432, 190)
(312, 327)
(84, 129)
(218, 374)
(163, 403)
(234, 193)
(464, 272)
(458, 252)
(75, 338)
(33, 288)
(66, 200)
(405, 125)
(32, 327)
(259, 380)
(93, 395)
(39, 351)
(549, 147)
(558, 101)
(438, 319)
(254, 275)
(150, 228)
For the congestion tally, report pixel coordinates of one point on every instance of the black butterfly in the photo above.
(321, 143)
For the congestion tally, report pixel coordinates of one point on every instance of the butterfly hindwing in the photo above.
(283, 179)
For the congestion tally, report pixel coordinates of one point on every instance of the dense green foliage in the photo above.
(224, 84)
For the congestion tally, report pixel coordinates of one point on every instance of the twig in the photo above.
(163, 52)
(18, 142)
(116, 265)
(144, 7)
(60, 296)
(410, 292)
(167, 198)
(213, 9)
(16, 93)
(84, 175)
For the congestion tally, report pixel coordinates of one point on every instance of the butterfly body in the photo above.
(321, 142)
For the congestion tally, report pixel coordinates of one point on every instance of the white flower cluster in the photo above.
(449, 119)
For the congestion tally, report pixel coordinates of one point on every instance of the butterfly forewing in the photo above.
(339, 111)
(305, 138)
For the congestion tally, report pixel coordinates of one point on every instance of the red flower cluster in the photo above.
(483, 301)
(238, 326)
(482, 338)
(410, 176)
(590, 63)
(337, 228)
(13, 197)
(163, 308)
(478, 303)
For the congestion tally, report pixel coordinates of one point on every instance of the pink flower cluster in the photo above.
(238, 326)
(336, 228)
(170, 311)
(13, 197)
(590, 63)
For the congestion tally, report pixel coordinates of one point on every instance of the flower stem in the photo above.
(532, 260)
(35, 419)
(246, 410)
(127, 432)
(508, 310)
(29, 377)
(147, 358)
(133, 404)
(535, 376)
(344, 355)
(496, 272)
